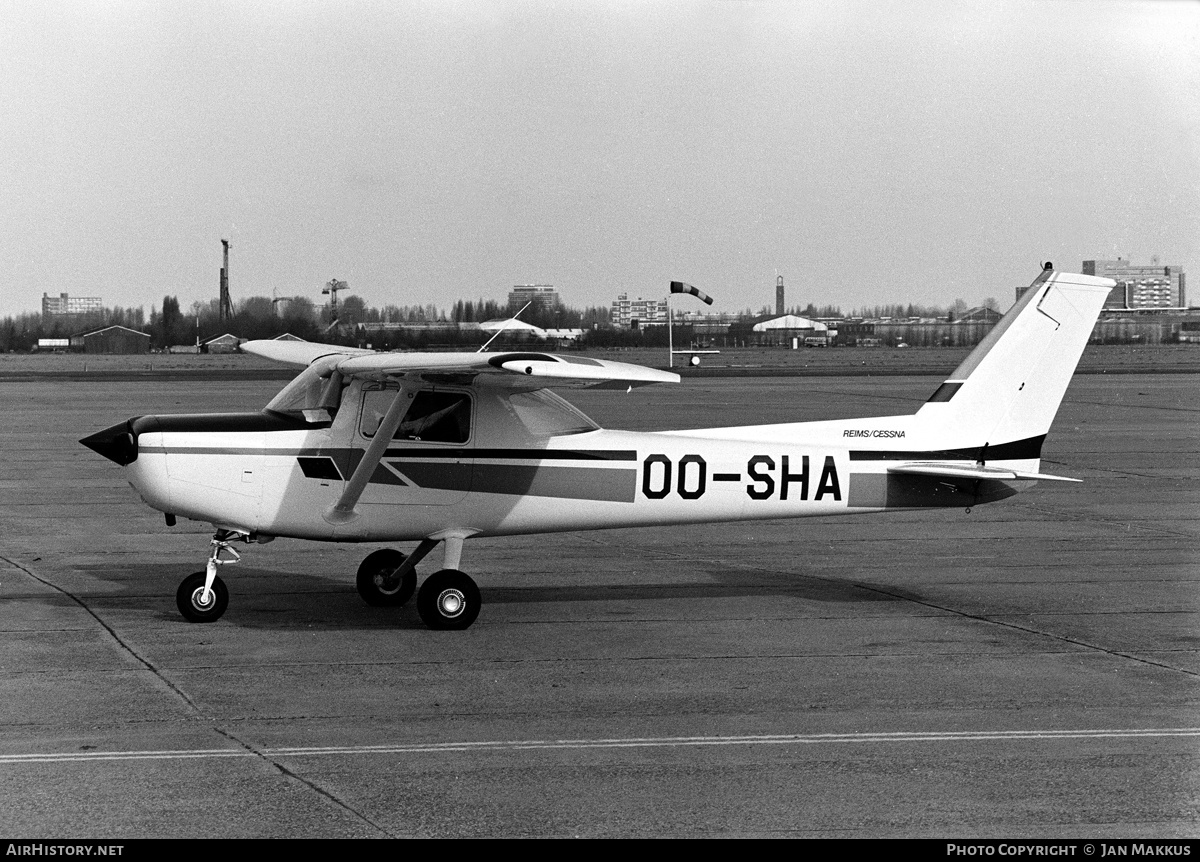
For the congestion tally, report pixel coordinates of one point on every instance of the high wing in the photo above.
(515, 369)
(302, 353)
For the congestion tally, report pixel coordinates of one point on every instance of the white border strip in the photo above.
(561, 744)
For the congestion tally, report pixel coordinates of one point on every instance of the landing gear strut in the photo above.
(202, 596)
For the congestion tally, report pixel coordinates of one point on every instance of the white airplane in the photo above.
(519, 328)
(442, 447)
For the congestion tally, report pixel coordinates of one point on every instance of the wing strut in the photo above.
(343, 510)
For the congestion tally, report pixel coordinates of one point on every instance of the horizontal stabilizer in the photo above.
(961, 471)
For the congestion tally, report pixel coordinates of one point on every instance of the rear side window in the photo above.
(544, 414)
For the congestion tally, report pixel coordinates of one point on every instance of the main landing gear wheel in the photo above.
(189, 599)
(377, 582)
(448, 599)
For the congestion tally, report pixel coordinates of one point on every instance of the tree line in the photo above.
(169, 324)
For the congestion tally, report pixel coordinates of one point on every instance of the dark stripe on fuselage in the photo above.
(1030, 447)
(207, 423)
(517, 454)
(458, 453)
(568, 483)
(520, 480)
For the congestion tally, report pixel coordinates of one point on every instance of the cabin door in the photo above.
(429, 460)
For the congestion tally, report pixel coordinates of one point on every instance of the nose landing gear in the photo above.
(202, 597)
(195, 605)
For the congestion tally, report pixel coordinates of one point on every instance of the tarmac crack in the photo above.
(955, 612)
(112, 633)
(193, 706)
(306, 782)
(1039, 632)
(1145, 527)
(1108, 405)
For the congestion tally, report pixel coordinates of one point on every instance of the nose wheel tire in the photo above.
(189, 599)
(448, 599)
(377, 582)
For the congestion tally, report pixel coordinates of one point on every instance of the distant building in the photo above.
(791, 330)
(638, 312)
(857, 331)
(227, 343)
(543, 296)
(966, 330)
(1138, 287)
(1153, 286)
(981, 314)
(779, 296)
(112, 339)
(55, 306)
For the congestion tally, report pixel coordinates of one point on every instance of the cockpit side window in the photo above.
(438, 417)
(432, 416)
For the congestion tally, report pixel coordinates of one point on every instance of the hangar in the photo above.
(227, 343)
(112, 339)
(791, 330)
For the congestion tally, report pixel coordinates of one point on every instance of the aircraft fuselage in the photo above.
(269, 475)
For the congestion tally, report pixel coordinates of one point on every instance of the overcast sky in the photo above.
(429, 151)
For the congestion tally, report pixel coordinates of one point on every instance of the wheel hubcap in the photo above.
(198, 599)
(451, 603)
(387, 582)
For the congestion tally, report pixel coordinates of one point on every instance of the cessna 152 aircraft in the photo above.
(440, 447)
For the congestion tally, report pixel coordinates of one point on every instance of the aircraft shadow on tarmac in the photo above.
(275, 599)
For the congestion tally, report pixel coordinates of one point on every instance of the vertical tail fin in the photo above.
(1009, 388)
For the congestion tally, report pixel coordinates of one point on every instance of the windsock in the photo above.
(680, 287)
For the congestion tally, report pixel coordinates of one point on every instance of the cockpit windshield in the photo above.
(314, 396)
